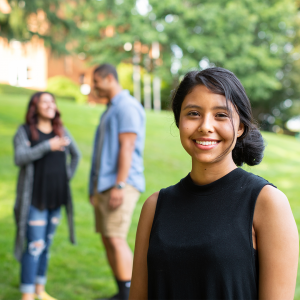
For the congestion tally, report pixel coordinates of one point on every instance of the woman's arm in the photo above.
(24, 154)
(139, 281)
(277, 245)
(74, 152)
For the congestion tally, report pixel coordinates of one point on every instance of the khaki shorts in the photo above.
(115, 223)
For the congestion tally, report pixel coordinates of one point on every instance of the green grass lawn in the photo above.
(81, 272)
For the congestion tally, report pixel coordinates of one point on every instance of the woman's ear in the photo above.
(240, 130)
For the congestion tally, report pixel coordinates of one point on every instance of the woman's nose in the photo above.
(206, 125)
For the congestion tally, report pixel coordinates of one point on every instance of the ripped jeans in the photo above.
(41, 226)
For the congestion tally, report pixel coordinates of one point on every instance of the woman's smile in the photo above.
(206, 144)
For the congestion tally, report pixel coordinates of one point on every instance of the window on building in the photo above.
(81, 78)
(29, 75)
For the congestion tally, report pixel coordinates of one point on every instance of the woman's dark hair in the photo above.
(31, 118)
(250, 145)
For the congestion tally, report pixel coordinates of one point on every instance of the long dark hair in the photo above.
(31, 118)
(250, 145)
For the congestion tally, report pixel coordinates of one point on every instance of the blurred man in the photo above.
(117, 179)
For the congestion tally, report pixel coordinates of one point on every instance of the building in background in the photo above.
(31, 64)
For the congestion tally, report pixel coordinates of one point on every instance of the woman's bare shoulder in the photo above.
(271, 200)
(151, 201)
(273, 214)
(148, 210)
(149, 206)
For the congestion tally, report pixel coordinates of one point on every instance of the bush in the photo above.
(125, 73)
(64, 87)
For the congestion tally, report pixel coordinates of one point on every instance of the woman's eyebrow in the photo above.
(192, 106)
(200, 107)
(221, 107)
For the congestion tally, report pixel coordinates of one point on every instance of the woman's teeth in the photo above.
(206, 143)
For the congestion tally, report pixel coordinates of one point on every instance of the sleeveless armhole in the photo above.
(255, 262)
(158, 203)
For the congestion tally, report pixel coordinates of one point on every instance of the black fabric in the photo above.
(50, 184)
(200, 244)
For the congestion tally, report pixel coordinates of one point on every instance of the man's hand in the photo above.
(116, 198)
(92, 200)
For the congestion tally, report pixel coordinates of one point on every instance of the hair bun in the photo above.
(250, 149)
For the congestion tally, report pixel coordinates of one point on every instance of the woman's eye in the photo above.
(193, 113)
(221, 115)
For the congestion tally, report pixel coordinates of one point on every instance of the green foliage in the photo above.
(65, 88)
(125, 72)
(252, 38)
(51, 20)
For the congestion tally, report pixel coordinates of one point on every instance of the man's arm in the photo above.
(127, 145)
(92, 171)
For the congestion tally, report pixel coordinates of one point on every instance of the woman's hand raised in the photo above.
(59, 143)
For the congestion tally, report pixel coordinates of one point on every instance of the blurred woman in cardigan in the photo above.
(42, 146)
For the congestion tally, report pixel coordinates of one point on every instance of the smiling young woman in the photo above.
(221, 232)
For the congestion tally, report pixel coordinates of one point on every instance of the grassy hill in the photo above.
(81, 272)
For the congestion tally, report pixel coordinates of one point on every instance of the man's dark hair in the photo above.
(105, 69)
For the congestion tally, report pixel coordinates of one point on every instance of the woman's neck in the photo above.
(206, 173)
(44, 125)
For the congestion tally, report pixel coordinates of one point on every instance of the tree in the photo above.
(51, 20)
(250, 37)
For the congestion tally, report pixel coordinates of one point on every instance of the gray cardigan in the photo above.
(24, 158)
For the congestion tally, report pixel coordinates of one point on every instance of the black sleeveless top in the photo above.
(200, 244)
(50, 183)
